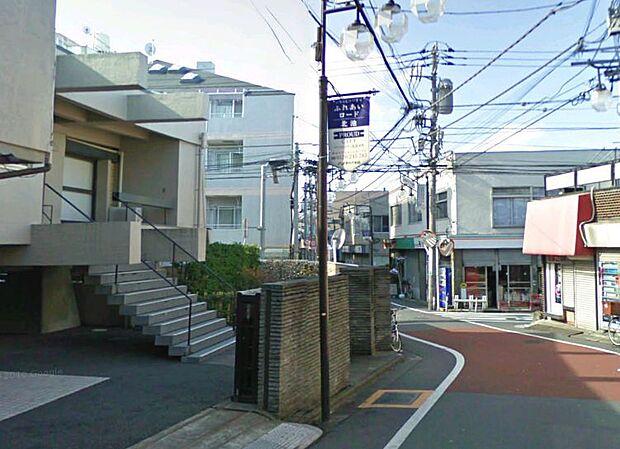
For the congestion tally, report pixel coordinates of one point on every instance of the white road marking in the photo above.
(555, 340)
(21, 392)
(403, 433)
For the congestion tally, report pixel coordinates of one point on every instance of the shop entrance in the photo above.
(481, 281)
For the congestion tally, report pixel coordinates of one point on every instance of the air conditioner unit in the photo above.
(124, 214)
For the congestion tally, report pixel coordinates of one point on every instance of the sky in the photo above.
(238, 36)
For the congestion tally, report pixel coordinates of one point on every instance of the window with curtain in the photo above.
(510, 204)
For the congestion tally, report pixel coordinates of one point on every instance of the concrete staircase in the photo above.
(159, 309)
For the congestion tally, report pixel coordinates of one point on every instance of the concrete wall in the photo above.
(77, 244)
(27, 78)
(59, 309)
(93, 71)
(151, 169)
(289, 357)
(20, 207)
(157, 248)
(266, 130)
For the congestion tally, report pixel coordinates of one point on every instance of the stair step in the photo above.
(145, 295)
(173, 324)
(126, 276)
(180, 335)
(133, 286)
(95, 270)
(205, 354)
(155, 305)
(159, 316)
(199, 343)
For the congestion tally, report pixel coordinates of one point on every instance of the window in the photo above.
(442, 205)
(396, 215)
(224, 212)
(415, 213)
(380, 223)
(510, 204)
(225, 158)
(226, 107)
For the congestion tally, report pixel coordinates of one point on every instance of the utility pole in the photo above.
(322, 215)
(295, 235)
(263, 200)
(432, 187)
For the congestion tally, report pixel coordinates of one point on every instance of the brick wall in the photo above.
(361, 310)
(382, 306)
(289, 381)
(369, 309)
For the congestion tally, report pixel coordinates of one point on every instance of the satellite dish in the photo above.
(87, 30)
(338, 238)
(150, 48)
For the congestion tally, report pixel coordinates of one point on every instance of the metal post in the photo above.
(261, 219)
(296, 205)
(432, 188)
(322, 218)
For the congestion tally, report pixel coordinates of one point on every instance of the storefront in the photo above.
(552, 229)
(507, 277)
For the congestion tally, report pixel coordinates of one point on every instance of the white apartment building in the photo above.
(481, 205)
(249, 126)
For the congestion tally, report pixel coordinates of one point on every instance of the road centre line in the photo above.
(403, 433)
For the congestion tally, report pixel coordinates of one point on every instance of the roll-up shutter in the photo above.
(478, 258)
(513, 257)
(585, 295)
(568, 285)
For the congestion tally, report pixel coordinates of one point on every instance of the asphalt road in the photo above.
(513, 392)
(145, 391)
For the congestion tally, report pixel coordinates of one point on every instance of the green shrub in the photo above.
(237, 268)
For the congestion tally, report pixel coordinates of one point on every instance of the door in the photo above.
(78, 186)
(554, 289)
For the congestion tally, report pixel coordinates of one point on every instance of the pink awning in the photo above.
(552, 226)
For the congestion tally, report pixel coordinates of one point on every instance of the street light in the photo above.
(357, 41)
(428, 11)
(600, 98)
(391, 22)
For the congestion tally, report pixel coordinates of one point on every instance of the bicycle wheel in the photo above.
(396, 343)
(612, 331)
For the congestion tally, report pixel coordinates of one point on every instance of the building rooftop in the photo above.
(166, 76)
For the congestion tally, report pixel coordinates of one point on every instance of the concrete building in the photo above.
(481, 204)
(576, 230)
(249, 127)
(74, 156)
(364, 217)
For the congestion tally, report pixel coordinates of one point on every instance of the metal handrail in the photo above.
(144, 262)
(174, 244)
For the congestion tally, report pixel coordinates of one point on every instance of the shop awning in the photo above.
(552, 226)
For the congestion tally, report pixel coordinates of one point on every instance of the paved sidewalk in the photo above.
(231, 425)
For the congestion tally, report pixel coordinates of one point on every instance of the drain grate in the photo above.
(396, 399)
(287, 436)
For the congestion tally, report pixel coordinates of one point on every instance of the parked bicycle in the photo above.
(396, 343)
(613, 329)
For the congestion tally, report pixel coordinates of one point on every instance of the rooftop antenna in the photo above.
(150, 49)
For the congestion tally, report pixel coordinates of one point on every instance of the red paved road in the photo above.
(504, 363)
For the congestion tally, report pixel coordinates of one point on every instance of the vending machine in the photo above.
(445, 287)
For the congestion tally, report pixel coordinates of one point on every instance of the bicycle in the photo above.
(396, 343)
(613, 329)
